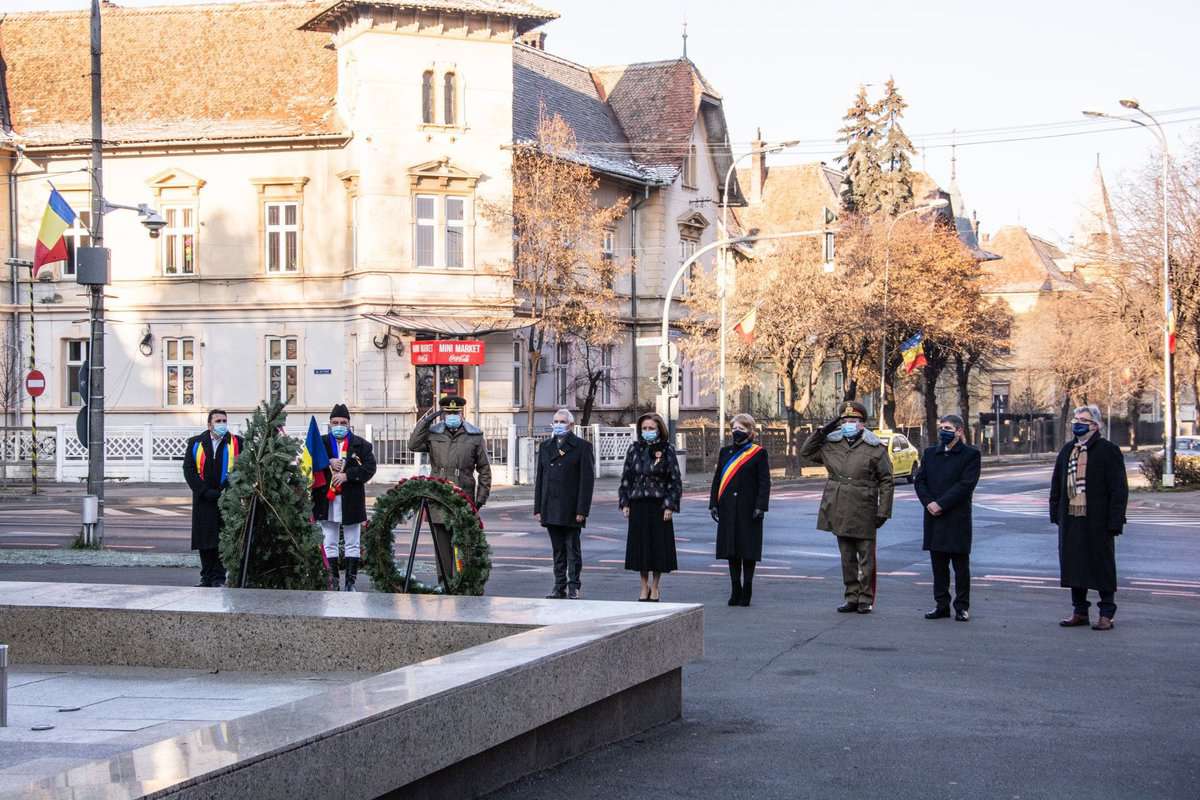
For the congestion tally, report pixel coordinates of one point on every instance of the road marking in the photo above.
(39, 545)
(1174, 594)
(116, 512)
(602, 538)
(794, 577)
(36, 511)
(129, 547)
(1167, 584)
(523, 558)
(162, 512)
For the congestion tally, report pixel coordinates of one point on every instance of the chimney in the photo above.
(534, 39)
(758, 170)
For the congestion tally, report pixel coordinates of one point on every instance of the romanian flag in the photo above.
(313, 458)
(745, 328)
(913, 351)
(51, 246)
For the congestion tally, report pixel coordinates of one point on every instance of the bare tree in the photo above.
(562, 279)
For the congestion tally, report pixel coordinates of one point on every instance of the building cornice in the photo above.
(316, 141)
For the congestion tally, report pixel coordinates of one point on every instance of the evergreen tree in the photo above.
(861, 135)
(896, 183)
(285, 549)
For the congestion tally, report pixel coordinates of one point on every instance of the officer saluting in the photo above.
(457, 453)
(857, 498)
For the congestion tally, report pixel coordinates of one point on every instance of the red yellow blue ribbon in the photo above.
(733, 465)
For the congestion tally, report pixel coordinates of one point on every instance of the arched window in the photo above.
(427, 97)
(450, 99)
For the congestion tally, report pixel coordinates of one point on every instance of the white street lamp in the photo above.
(1168, 479)
(941, 202)
(723, 267)
(665, 359)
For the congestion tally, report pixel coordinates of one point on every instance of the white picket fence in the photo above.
(154, 454)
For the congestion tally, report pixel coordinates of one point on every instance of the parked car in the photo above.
(1184, 446)
(906, 458)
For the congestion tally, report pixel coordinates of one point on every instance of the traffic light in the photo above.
(668, 377)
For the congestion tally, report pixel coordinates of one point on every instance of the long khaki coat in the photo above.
(859, 489)
(456, 456)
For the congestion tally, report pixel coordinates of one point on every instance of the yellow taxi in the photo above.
(906, 459)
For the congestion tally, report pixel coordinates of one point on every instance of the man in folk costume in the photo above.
(208, 460)
(457, 453)
(857, 500)
(1088, 495)
(340, 504)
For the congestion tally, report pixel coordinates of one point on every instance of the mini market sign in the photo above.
(451, 352)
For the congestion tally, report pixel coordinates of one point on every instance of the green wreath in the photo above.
(471, 549)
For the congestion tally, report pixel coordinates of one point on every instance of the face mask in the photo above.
(453, 421)
(220, 429)
(339, 431)
(740, 437)
(1080, 428)
(650, 436)
(946, 437)
(850, 429)
(560, 429)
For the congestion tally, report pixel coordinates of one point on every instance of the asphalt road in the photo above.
(793, 700)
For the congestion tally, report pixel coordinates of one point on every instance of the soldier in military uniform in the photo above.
(857, 500)
(457, 453)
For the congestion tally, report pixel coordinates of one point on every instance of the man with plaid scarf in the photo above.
(1088, 494)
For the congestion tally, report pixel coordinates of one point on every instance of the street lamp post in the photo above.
(723, 269)
(941, 202)
(666, 361)
(1168, 479)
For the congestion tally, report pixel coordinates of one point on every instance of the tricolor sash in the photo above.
(201, 458)
(734, 465)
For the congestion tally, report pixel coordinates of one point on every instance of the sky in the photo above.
(990, 71)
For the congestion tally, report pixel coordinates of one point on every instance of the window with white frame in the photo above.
(606, 368)
(282, 237)
(354, 231)
(562, 357)
(283, 368)
(839, 386)
(455, 222)
(780, 399)
(427, 97)
(687, 249)
(449, 99)
(691, 385)
(608, 243)
(689, 167)
(77, 353)
(77, 236)
(828, 249)
(179, 240)
(518, 393)
(426, 228)
(179, 372)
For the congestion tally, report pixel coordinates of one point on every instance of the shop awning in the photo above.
(451, 326)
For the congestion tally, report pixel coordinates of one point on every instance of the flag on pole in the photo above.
(51, 246)
(745, 328)
(913, 351)
(1171, 326)
(313, 458)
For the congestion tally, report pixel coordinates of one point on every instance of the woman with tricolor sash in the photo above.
(741, 489)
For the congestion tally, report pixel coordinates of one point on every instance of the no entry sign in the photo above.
(35, 383)
(468, 353)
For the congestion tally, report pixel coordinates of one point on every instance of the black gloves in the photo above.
(758, 513)
(832, 426)
(716, 517)
(212, 494)
(879, 521)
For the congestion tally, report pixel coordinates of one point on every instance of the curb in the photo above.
(96, 558)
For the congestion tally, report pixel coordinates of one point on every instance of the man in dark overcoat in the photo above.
(562, 500)
(1088, 494)
(208, 459)
(945, 483)
(340, 505)
(857, 500)
(738, 501)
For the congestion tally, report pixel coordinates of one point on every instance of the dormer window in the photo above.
(449, 99)
(427, 97)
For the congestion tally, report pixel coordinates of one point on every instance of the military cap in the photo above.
(453, 402)
(853, 410)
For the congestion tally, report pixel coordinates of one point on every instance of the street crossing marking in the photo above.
(162, 512)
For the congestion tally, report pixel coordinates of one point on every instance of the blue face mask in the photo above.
(850, 429)
(339, 431)
(220, 429)
(560, 428)
(946, 437)
(650, 436)
(453, 421)
(1080, 428)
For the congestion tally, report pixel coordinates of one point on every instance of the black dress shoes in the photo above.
(847, 608)
(865, 609)
(962, 615)
(573, 594)
(938, 613)
(557, 596)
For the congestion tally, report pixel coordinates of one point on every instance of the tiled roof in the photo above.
(527, 15)
(177, 72)
(1027, 263)
(656, 104)
(794, 197)
(568, 89)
